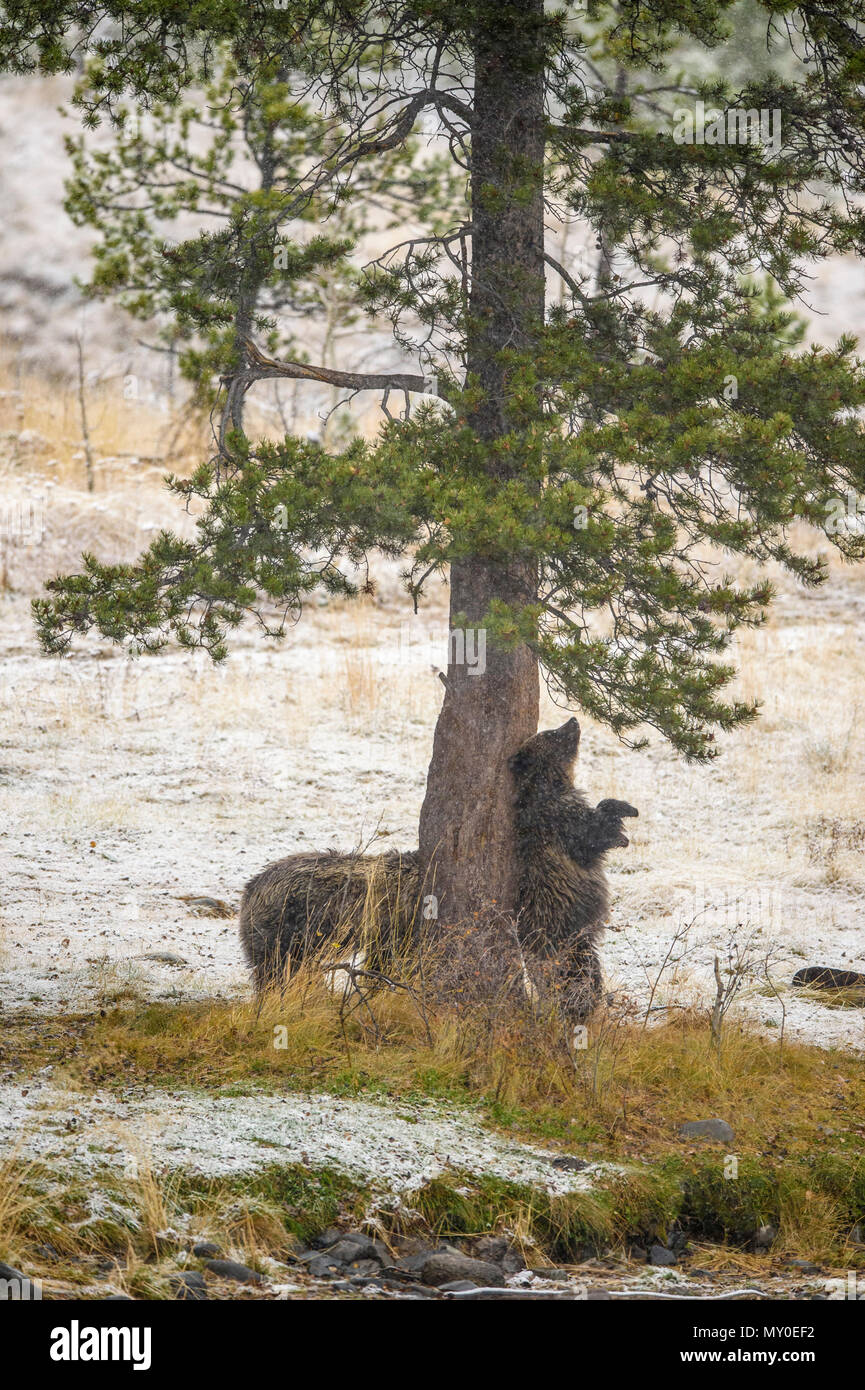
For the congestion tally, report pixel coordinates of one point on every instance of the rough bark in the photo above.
(466, 824)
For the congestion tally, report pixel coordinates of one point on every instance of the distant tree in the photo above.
(230, 160)
(582, 468)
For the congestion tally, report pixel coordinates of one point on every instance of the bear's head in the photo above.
(547, 758)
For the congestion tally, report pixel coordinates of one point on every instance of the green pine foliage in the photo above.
(667, 413)
(230, 161)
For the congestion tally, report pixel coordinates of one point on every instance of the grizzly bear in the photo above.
(562, 894)
(302, 902)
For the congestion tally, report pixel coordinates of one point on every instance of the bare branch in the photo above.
(260, 368)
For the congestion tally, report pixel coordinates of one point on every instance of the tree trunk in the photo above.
(466, 823)
(253, 277)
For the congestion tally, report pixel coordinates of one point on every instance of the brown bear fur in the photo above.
(308, 900)
(563, 897)
(299, 904)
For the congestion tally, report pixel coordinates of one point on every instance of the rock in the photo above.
(327, 1237)
(715, 1129)
(498, 1250)
(570, 1163)
(189, 1285)
(207, 907)
(206, 1250)
(828, 977)
(353, 1248)
(457, 1286)
(230, 1269)
(413, 1264)
(803, 1266)
(364, 1269)
(15, 1286)
(660, 1256)
(321, 1266)
(401, 1278)
(447, 1268)
(638, 1252)
(404, 1246)
(764, 1237)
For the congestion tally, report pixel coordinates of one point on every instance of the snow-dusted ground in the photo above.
(394, 1147)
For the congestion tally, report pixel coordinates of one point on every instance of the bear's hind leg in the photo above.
(582, 982)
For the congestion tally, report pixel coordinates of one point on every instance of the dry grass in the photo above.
(133, 1231)
(16, 1203)
(796, 1112)
(622, 1096)
(43, 426)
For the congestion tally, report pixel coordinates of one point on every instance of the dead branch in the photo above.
(261, 367)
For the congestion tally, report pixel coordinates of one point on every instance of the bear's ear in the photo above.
(569, 737)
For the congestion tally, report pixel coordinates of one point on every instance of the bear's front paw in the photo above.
(613, 812)
(609, 807)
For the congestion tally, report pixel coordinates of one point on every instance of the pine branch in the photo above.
(261, 368)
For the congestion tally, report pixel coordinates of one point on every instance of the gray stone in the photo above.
(322, 1266)
(413, 1264)
(327, 1237)
(189, 1286)
(828, 977)
(661, 1256)
(447, 1268)
(715, 1129)
(498, 1250)
(570, 1163)
(230, 1269)
(206, 1250)
(353, 1248)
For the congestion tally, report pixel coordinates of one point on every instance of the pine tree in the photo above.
(575, 470)
(228, 158)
